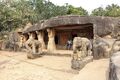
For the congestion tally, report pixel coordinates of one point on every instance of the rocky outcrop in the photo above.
(102, 25)
(102, 47)
(114, 69)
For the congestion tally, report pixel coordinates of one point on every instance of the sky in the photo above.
(89, 5)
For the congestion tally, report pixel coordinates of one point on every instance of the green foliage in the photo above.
(47, 9)
(111, 10)
(5, 17)
(76, 10)
(98, 12)
(15, 14)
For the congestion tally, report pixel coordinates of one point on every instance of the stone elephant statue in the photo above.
(81, 48)
(34, 48)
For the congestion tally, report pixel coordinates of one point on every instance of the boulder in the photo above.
(114, 69)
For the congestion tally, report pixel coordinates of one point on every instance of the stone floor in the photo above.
(16, 66)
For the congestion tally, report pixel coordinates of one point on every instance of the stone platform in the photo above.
(66, 53)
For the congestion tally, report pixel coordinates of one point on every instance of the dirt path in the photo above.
(15, 66)
(96, 70)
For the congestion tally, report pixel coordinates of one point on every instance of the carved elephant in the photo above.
(81, 47)
(34, 47)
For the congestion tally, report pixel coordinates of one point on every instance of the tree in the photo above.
(24, 11)
(47, 9)
(98, 12)
(76, 10)
(15, 14)
(113, 10)
(5, 17)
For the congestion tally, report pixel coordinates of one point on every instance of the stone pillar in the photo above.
(51, 42)
(21, 41)
(25, 38)
(31, 36)
(28, 43)
(40, 35)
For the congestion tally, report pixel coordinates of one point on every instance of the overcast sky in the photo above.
(89, 5)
